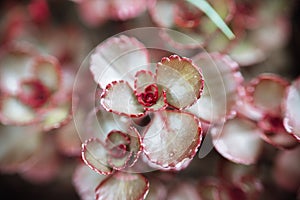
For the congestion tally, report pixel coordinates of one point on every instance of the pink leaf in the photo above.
(239, 141)
(94, 154)
(147, 92)
(15, 66)
(172, 138)
(93, 12)
(57, 115)
(124, 149)
(222, 87)
(181, 80)
(266, 93)
(118, 152)
(118, 58)
(15, 112)
(121, 10)
(275, 133)
(143, 79)
(85, 181)
(100, 123)
(123, 186)
(184, 191)
(292, 109)
(119, 98)
(47, 70)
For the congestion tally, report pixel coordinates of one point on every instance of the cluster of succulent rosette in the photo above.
(205, 124)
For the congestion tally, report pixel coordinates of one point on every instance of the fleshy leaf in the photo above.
(162, 13)
(14, 67)
(239, 141)
(286, 172)
(135, 145)
(292, 109)
(118, 152)
(119, 98)
(121, 10)
(123, 186)
(15, 112)
(14, 152)
(100, 123)
(172, 138)
(143, 78)
(47, 70)
(56, 116)
(266, 92)
(181, 80)
(222, 82)
(93, 12)
(246, 53)
(86, 181)
(94, 154)
(118, 58)
(275, 133)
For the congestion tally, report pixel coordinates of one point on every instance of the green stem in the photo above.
(205, 7)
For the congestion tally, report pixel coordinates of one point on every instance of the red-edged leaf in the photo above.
(239, 141)
(67, 140)
(94, 154)
(45, 165)
(85, 181)
(221, 89)
(292, 109)
(124, 148)
(119, 98)
(147, 92)
(15, 154)
(143, 79)
(15, 66)
(118, 152)
(123, 186)
(181, 80)
(172, 138)
(15, 112)
(118, 58)
(47, 70)
(100, 123)
(57, 115)
(266, 92)
(135, 145)
(286, 172)
(275, 133)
